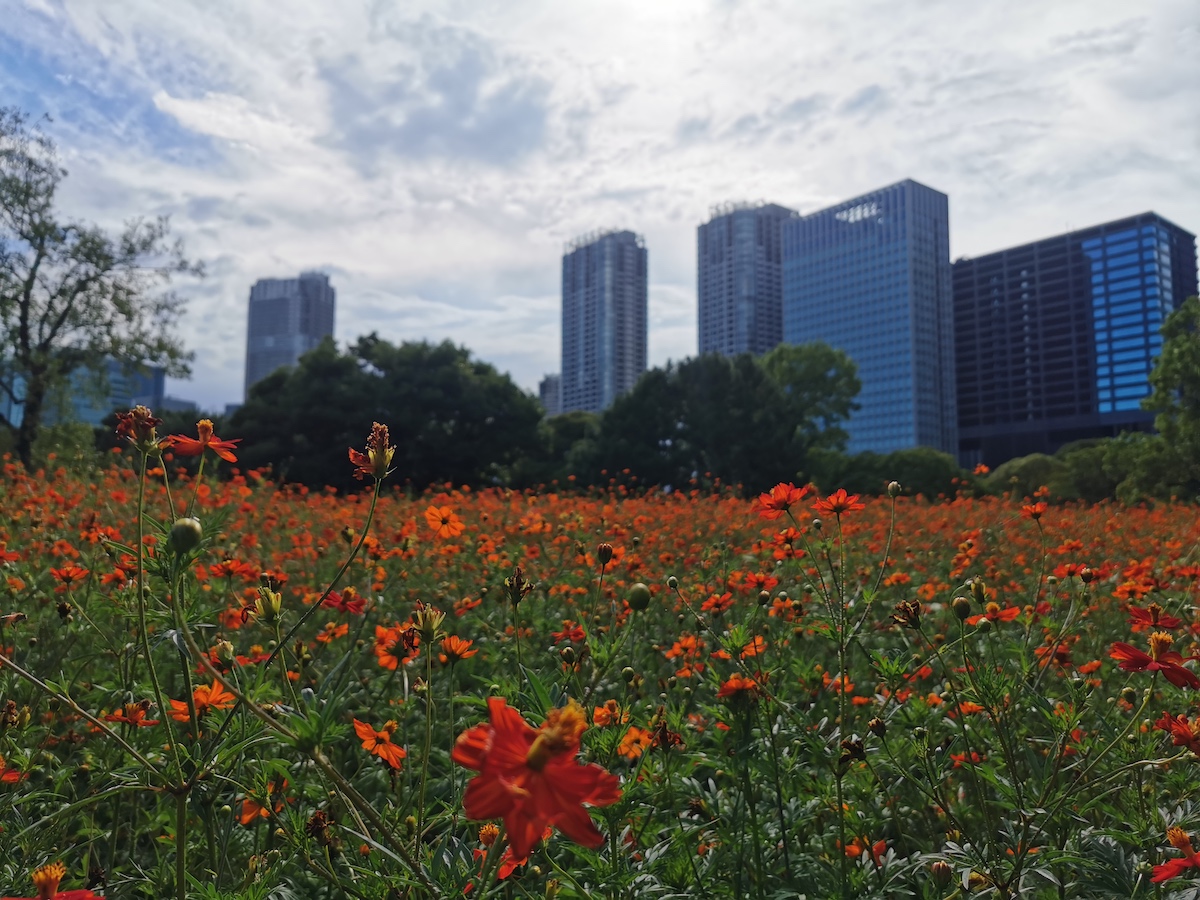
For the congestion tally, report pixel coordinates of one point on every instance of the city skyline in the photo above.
(434, 159)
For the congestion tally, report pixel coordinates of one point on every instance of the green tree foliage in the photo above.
(451, 418)
(1176, 393)
(71, 296)
(739, 419)
(919, 470)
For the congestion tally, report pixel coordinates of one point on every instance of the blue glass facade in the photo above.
(871, 277)
(1056, 339)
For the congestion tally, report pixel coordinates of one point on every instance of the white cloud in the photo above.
(435, 156)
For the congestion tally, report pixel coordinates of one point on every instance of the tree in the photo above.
(1176, 392)
(71, 296)
(819, 385)
(452, 418)
(739, 419)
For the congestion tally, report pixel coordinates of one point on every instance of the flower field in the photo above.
(232, 689)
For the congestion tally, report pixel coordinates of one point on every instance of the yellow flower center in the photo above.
(1179, 839)
(47, 878)
(560, 734)
(1160, 643)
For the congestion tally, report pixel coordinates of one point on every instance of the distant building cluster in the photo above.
(1016, 352)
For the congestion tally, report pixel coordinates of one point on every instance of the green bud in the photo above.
(186, 535)
(639, 596)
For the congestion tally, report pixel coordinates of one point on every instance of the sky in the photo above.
(434, 158)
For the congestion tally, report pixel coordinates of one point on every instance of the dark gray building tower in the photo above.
(288, 317)
(739, 278)
(604, 290)
(1056, 339)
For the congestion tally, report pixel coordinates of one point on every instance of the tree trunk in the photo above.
(31, 419)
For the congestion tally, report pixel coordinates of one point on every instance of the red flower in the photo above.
(348, 601)
(1184, 732)
(994, 613)
(1173, 868)
(186, 446)
(1034, 510)
(68, 575)
(46, 880)
(779, 500)
(738, 687)
(838, 502)
(531, 779)
(374, 463)
(1151, 617)
(8, 775)
(380, 742)
(1160, 659)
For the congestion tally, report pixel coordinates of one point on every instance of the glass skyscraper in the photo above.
(739, 278)
(871, 277)
(1056, 339)
(604, 293)
(288, 317)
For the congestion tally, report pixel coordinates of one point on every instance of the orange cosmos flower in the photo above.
(46, 880)
(252, 809)
(994, 613)
(779, 500)
(738, 687)
(69, 575)
(455, 648)
(530, 778)
(205, 698)
(186, 446)
(380, 742)
(838, 502)
(134, 714)
(444, 522)
(1160, 659)
(374, 463)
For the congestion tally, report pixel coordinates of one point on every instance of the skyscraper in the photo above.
(603, 318)
(739, 278)
(1055, 339)
(871, 276)
(550, 393)
(288, 317)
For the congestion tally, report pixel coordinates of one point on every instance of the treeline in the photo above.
(743, 422)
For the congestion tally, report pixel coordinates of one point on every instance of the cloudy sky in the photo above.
(433, 158)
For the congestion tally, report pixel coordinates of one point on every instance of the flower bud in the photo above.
(639, 596)
(1087, 574)
(942, 873)
(877, 727)
(568, 655)
(764, 597)
(961, 606)
(673, 583)
(628, 674)
(983, 626)
(893, 489)
(186, 535)
(979, 590)
(604, 553)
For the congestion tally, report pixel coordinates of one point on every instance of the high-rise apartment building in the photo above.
(1055, 339)
(871, 277)
(739, 278)
(550, 393)
(288, 317)
(604, 292)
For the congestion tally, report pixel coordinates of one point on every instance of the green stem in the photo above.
(181, 845)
